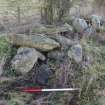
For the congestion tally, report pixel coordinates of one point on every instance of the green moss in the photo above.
(18, 98)
(6, 51)
(4, 47)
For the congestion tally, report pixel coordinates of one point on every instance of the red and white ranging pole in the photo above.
(37, 90)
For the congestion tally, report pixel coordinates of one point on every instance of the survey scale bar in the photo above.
(35, 90)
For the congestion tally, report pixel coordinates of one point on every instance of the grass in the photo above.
(4, 47)
(5, 52)
(92, 79)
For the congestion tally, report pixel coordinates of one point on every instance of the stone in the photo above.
(40, 42)
(80, 25)
(44, 74)
(65, 28)
(25, 59)
(39, 29)
(96, 21)
(76, 53)
(56, 55)
(90, 30)
(88, 61)
(52, 29)
(63, 40)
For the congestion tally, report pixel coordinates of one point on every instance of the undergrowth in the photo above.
(92, 79)
(6, 51)
(4, 47)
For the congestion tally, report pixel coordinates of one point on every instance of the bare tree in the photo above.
(55, 10)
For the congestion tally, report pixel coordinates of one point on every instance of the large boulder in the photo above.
(44, 74)
(25, 59)
(64, 41)
(90, 30)
(76, 53)
(40, 42)
(57, 55)
(80, 25)
(96, 21)
(64, 28)
(52, 29)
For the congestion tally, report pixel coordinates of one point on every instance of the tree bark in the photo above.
(52, 8)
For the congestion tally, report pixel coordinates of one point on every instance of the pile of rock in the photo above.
(35, 47)
(94, 23)
(32, 46)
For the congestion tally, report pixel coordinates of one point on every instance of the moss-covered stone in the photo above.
(41, 42)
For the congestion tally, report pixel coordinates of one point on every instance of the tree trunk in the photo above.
(52, 8)
(63, 7)
(47, 12)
